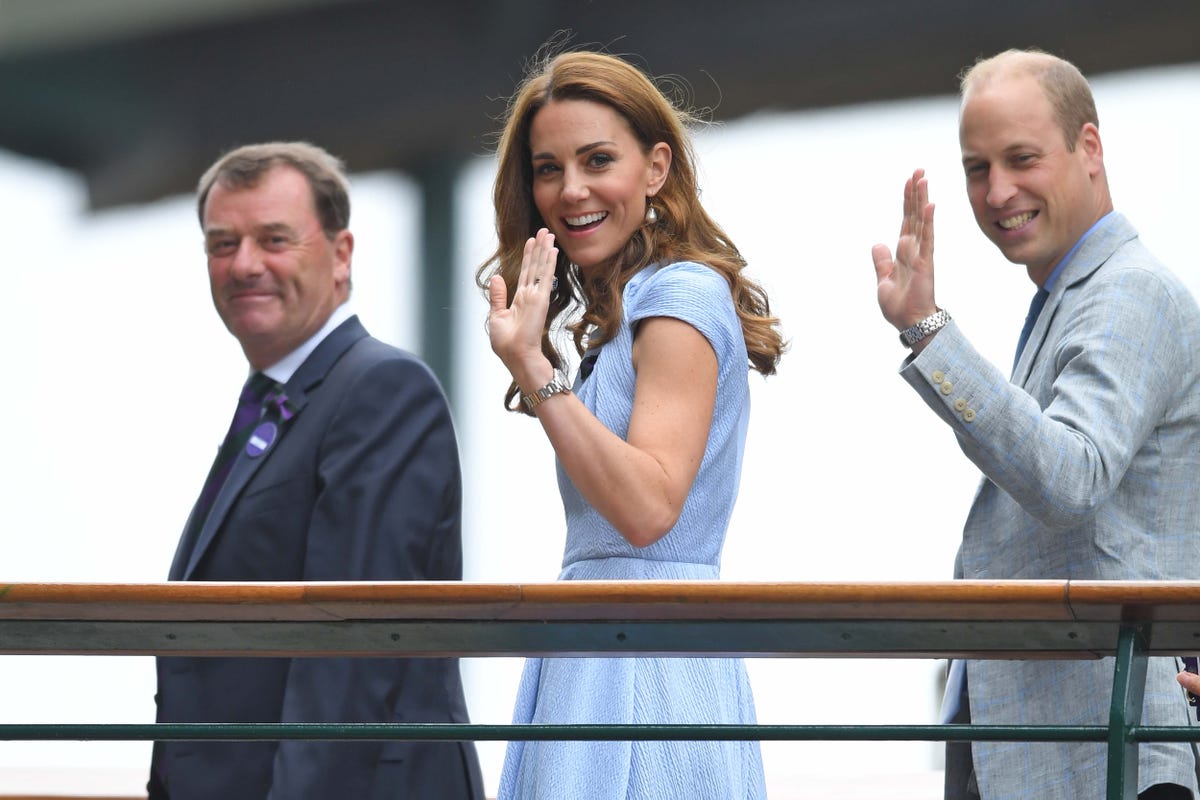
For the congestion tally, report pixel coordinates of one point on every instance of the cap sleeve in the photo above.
(695, 294)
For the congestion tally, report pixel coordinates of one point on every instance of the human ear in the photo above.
(1089, 143)
(343, 249)
(659, 164)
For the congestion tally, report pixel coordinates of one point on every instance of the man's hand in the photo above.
(906, 282)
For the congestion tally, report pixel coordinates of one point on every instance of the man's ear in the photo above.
(1093, 149)
(343, 251)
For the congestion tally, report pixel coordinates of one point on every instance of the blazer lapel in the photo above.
(1098, 248)
(298, 389)
(317, 365)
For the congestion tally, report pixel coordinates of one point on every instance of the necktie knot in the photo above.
(255, 389)
(276, 404)
(250, 406)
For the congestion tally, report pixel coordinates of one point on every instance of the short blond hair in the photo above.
(1063, 84)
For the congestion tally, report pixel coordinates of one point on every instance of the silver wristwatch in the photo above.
(934, 322)
(558, 385)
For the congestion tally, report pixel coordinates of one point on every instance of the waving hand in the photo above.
(516, 330)
(905, 283)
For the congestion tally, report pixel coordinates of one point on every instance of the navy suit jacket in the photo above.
(362, 483)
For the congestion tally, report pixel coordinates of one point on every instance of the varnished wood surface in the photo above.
(983, 619)
(602, 600)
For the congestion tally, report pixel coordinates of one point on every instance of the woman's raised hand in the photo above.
(516, 330)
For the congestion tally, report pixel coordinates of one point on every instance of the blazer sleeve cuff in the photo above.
(953, 379)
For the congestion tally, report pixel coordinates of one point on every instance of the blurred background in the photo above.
(119, 377)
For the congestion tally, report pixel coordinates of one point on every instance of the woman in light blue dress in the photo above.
(601, 230)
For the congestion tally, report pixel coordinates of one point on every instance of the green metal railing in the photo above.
(1031, 619)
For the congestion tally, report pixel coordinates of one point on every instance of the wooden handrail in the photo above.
(990, 619)
(978, 619)
(580, 599)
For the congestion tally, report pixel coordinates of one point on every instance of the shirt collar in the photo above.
(283, 369)
(1049, 284)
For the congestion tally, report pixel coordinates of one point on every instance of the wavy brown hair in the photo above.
(683, 232)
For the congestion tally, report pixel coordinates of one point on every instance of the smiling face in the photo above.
(592, 178)
(1032, 195)
(275, 276)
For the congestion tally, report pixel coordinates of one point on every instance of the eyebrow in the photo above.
(270, 227)
(579, 151)
(1012, 148)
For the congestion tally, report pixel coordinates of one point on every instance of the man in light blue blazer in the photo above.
(1090, 450)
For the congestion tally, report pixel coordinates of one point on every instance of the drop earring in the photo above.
(651, 214)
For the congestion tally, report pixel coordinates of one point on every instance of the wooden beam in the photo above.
(982, 619)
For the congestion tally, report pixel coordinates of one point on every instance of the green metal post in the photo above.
(437, 178)
(1129, 687)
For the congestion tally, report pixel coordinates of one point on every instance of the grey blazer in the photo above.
(1091, 470)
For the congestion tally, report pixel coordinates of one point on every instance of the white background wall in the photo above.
(120, 381)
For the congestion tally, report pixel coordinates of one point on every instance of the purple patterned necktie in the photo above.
(249, 411)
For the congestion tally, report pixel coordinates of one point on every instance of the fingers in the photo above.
(526, 276)
(919, 199)
(917, 223)
(538, 261)
(548, 258)
(497, 294)
(925, 247)
(912, 203)
(922, 217)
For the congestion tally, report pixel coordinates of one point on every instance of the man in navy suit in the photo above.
(347, 470)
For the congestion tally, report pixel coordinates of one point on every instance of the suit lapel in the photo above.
(1097, 249)
(298, 390)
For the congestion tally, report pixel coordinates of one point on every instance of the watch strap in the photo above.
(557, 385)
(926, 327)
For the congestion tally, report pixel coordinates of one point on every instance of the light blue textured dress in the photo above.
(648, 690)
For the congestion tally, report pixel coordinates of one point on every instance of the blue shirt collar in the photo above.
(1049, 284)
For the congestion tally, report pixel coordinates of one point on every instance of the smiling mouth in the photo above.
(585, 222)
(1012, 223)
(250, 297)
